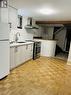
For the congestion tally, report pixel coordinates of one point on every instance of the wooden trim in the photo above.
(53, 22)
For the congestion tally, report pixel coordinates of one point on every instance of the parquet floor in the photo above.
(44, 76)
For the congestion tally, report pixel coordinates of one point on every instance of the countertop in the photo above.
(44, 40)
(26, 43)
(20, 44)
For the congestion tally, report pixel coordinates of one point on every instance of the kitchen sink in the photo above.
(21, 42)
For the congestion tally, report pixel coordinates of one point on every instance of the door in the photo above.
(4, 58)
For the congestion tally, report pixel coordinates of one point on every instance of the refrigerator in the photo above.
(4, 50)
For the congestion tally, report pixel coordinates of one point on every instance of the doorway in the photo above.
(63, 43)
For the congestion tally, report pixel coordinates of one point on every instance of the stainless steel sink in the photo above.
(21, 42)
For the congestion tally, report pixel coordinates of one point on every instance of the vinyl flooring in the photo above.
(43, 76)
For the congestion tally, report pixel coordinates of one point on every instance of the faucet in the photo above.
(16, 36)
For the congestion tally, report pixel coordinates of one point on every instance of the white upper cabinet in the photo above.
(13, 17)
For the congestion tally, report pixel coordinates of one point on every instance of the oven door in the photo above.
(36, 50)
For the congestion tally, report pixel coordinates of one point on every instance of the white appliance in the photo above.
(4, 50)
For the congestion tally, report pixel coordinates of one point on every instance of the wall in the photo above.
(60, 37)
(13, 19)
(25, 34)
(4, 15)
(69, 57)
(0, 14)
(48, 33)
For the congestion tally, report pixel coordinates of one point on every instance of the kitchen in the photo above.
(20, 33)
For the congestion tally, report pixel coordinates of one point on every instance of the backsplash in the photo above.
(25, 34)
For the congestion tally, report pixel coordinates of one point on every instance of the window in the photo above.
(19, 22)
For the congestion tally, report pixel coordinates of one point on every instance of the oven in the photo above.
(36, 50)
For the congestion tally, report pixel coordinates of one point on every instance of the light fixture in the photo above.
(46, 11)
(23, 12)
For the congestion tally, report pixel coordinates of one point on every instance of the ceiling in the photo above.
(31, 8)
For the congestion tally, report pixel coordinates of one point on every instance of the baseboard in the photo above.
(20, 64)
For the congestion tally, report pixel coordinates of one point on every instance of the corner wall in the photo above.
(69, 57)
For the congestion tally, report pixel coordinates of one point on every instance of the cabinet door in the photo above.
(23, 53)
(12, 58)
(26, 52)
(29, 51)
(17, 56)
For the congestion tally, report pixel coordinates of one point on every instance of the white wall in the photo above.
(48, 33)
(0, 14)
(61, 38)
(13, 18)
(25, 34)
(69, 57)
(4, 15)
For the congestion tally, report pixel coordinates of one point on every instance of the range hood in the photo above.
(31, 24)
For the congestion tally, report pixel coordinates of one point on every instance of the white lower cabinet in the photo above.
(29, 51)
(20, 54)
(12, 58)
(26, 52)
(17, 56)
(23, 54)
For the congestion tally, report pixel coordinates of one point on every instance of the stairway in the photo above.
(58, 50)
(57, 30)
